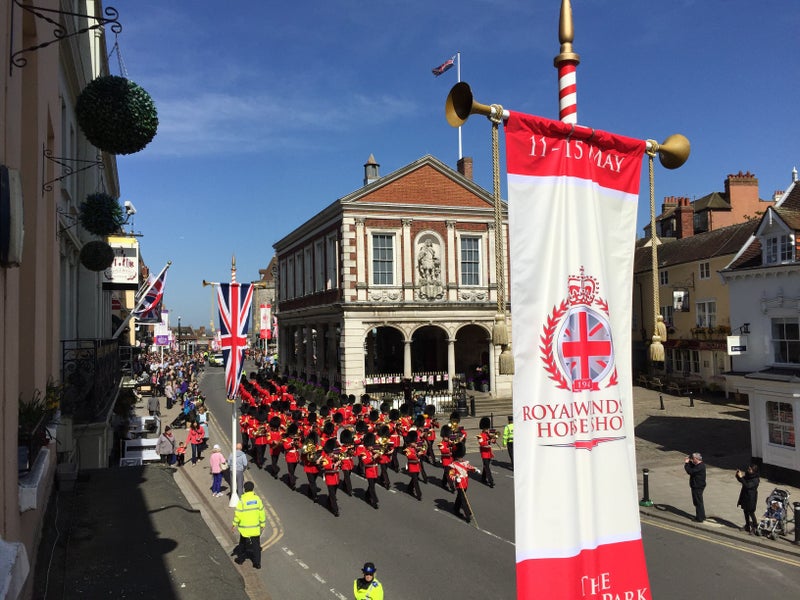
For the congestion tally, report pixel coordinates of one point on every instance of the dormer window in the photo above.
(778, 249)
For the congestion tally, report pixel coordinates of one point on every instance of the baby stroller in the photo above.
(773, 523)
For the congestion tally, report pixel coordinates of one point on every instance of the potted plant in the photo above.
(116, 115)
(31, 433)
(100, 214)
(97, 256)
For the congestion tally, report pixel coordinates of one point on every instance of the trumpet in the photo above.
(310, 451)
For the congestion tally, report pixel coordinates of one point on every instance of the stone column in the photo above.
(451, 363)
(408, 274)
(407, 359)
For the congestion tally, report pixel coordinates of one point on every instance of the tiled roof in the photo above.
(789, 211)
(726, 240)
(715, 200)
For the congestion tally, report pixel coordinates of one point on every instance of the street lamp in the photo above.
(179, 334)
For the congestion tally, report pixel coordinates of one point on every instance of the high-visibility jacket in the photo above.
(374, 591)
(250, 517)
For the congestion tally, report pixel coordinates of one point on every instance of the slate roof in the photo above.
(788, 210)
(701, 246)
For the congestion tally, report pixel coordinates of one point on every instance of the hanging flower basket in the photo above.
(101, 214)
(116, 115)
(97, 256)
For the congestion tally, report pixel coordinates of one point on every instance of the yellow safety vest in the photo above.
(250, 516)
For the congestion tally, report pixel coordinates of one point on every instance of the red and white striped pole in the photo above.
(567, 63)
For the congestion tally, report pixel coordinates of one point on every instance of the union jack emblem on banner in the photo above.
(234, 311)
(577, 349)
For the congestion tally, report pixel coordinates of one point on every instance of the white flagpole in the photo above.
(139, 302)
(458, 71)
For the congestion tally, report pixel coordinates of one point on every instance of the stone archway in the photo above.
(429, 349)
(383, 351)
(472, 353)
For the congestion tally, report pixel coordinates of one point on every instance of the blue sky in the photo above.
(268, 111)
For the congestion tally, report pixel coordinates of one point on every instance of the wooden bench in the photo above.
(143, 449)
(657, 384)
(644, 381)
(674, 388)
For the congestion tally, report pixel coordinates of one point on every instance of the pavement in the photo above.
(158, 530)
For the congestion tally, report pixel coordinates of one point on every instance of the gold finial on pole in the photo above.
(566, 35)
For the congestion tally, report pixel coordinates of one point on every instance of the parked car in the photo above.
(216, 360)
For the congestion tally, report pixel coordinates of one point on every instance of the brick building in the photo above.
(395, 281)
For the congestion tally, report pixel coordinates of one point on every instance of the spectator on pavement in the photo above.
(748, 496)
(238, 462)
(165, 446)
(216, 462)
(696, 468)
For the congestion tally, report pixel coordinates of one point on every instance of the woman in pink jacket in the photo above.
(215, 461)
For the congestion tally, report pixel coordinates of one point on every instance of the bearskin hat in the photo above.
(330, 445)
(411, 437)
(291, 429)
(460, 450)
(275, 422)
(312, 437)
(485, 423)
(430, 410)
(328, 428)
(369, 439)
(346, 437)
(445, 431)
(338, 418)
(374, 415)
(455, 417)
(419, 421)
(384, 431)
(361, 427)
(394, 414)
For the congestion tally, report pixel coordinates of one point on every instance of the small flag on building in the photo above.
(445, 66)
(148, 309)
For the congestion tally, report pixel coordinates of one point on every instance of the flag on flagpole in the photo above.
(148, 306)
(572, 286)
(445, 66)
(234, 301)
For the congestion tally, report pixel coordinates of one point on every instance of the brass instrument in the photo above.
(309, 450)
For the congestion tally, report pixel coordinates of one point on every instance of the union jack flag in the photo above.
(445, 66)
(234, 317)
(148, 307)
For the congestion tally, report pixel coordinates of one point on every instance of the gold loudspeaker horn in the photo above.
(460, 105)
(673, 152)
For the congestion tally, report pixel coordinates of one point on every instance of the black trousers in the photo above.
(371, 496)
(486, 474)
(447, 483)
(249, 547)
(699, 508)
(290, 467)
(413, 486)
(511, 452)
(750, 521)
(346, 483)
(385, 475)
(274, 468)
(332, 504)
(461, 503)
(312, 485)
(260, 449)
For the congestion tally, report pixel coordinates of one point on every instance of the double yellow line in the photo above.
(788, 560)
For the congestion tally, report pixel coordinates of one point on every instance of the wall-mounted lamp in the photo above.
(744, 329)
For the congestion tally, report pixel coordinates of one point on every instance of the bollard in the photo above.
(491, 420)
(796, 519)
(691, 400)
(645, 501)
(472, 406)
(661, 400)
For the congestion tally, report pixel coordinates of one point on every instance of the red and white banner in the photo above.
(573, 196)
(265, 329)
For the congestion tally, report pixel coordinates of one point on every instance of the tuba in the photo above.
(309, 451)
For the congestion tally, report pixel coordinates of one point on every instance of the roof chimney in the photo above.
(465, 167)
(371, 170)
(685, 220)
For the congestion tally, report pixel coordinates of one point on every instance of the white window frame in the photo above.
(394, 236)
(290, 278)
(298, 273)
(319, 265)
(705, 317)
(308, 270)
(704, 270)
(331, 262)
(668, 312)
(787, 352)
(780, 424)
(479, 240)
(778, 248)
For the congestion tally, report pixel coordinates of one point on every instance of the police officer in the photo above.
(508, 438)
(250, 518)
(367, 587)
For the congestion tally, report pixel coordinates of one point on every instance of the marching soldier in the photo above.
(369, 458)
(275, 442)
(330, 464)
(385, 457)
(486, 438)
(310, 455)
(412, 457)
(291, 449)
(459, 471)
(446, 450)
(346, 444)
(430, 427)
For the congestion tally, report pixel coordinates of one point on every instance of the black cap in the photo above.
(368, 568)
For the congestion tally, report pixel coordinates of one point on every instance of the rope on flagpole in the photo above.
(656, 347)
(500, 336)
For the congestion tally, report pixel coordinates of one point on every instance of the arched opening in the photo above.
(429, 350)
(472, 355)
(383, 351)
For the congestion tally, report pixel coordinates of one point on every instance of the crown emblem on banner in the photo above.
(582, 288)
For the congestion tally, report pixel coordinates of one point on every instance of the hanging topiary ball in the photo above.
(101, 214)
(116, 115)
(97, 256)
